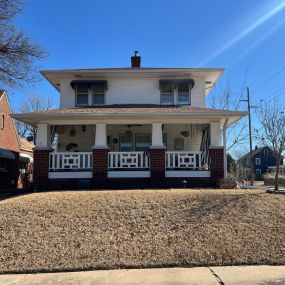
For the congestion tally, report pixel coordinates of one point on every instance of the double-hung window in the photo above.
(183, 93)
(257, 161)
(82, 95)
(167, 93)
(143, 142)
(98, 94)
(126, 142)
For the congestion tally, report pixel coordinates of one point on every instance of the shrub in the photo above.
(227, 183)
(269, 179)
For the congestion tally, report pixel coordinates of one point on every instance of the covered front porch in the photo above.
(143, 145)
(185, 146)
(154, 151)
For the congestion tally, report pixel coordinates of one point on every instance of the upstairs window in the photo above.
(266, 152)
(89, 92)
(81, 95)
(167, 93)
(183, 93)
(257, 161)
(98, 94)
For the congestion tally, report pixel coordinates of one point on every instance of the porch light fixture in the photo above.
(129, 133)
(83, 128)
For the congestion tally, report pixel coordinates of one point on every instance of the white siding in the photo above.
(85, 140)
(132, 91)
(198, 93)
(67, 94)
(193, 142)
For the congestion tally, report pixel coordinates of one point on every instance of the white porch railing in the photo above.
(183, 160)
(70, 160)
(128, 160)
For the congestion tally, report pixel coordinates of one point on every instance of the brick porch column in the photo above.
(41, 158)
(157, 166)
(41, 168)
(100, 167)
(157, 156)
(100, 157)
(217, 163)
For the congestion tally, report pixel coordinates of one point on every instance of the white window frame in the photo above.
(257, 161)
(177, 95)
(120, 142)
(76, 94)
(258, 171)
(142, 134)
(164, 93)
(92, 96)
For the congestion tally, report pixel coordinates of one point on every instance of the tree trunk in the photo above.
(276, 182)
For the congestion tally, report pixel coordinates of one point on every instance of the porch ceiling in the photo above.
(116, 114)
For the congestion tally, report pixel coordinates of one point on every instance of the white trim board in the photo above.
(128, 174)
(70, 174)
(187, 173)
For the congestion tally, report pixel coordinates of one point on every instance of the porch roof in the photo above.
(127, 111)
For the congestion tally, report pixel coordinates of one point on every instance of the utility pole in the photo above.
(250, 137)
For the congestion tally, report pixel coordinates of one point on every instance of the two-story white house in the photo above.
(130, 127)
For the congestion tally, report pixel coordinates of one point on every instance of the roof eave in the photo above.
(51, 116)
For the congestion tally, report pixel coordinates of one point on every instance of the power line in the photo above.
(268, 79)
(268, 97)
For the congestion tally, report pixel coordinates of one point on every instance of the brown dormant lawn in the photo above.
(61, 231)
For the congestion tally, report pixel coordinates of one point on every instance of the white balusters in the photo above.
(70, 160)
(183, 160)
(128, 160)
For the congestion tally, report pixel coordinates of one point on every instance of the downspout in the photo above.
(225, 146)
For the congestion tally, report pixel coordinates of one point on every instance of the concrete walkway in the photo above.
(243, 275)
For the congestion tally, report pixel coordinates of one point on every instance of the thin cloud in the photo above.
(249, 29)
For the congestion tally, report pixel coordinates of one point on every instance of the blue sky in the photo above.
(246, 37)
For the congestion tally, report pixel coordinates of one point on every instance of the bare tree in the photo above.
(33, 103)
(17, 52)
(272, 133)
(229, 100)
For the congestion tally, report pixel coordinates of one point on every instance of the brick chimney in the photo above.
(136, 60)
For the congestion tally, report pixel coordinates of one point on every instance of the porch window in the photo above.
(126, 142)
(98, 94)
(167, 93)
(183, 93)
(81, 95)
(143, 142)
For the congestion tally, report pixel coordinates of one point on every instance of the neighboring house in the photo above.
(26, 164)
(26, 151)
(9, 146)
(263, 158)
(130, 127)
(272, 170)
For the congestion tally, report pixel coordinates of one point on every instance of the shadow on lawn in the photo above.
(219, 205)
(8, 194)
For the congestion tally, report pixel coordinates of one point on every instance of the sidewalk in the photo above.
(243, 275)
